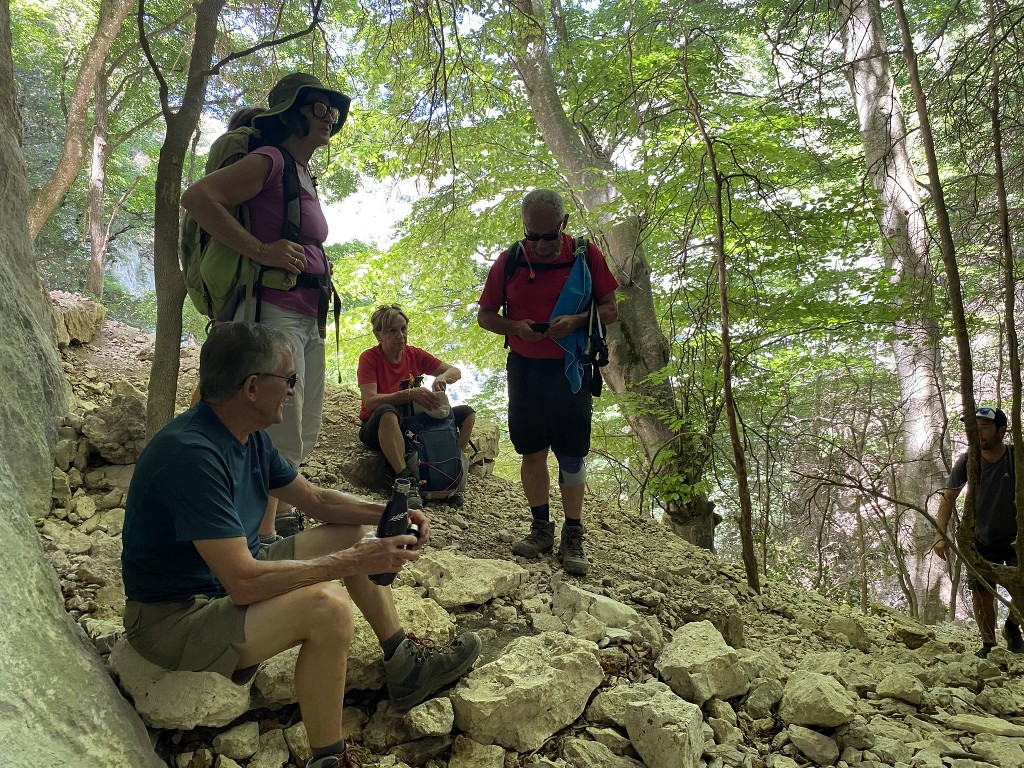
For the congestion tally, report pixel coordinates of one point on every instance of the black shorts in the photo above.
(1001, 553)
(369, 432)
(543, 412)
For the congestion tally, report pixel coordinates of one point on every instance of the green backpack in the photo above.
(217, 277)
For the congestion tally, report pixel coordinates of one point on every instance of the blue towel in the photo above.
(574, 299)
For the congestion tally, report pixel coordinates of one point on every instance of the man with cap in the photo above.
(995, 521)
(302, 117)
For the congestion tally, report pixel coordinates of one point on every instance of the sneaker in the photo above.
(420, 668)
(289, 522)
(570, 551)
(984, 651)
(1014, 642)
(539, 541)
(347, 759)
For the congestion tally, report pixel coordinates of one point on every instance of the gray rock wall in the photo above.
(58, 706)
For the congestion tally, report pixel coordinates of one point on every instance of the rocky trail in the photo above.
(661, 656)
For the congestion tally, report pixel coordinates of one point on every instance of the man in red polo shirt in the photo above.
(547, 411)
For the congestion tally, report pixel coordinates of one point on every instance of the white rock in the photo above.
(467, 753)
(454, 580)
(178, 700)
(239, 743)
(666, 731)
(812, 699)
(698, 664)
(539, 685)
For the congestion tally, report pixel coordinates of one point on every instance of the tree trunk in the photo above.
(904, 245)
(60, 706)
(97, 187)
(636, 344)
(112, 14)
(170, 285)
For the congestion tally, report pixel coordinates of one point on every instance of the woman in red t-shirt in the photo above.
(389, 377)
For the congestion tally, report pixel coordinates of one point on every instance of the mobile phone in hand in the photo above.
(540, 327)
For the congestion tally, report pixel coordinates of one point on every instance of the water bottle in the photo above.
(394, 522)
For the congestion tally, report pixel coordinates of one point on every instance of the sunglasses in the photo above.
(533, 237)
(986, 413)
(292, 380)
(321, 110)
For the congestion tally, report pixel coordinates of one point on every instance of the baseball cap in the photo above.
(992, 414)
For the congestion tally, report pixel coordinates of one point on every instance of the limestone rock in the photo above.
(180, 700)
(582, 753)
(76, 319)
(272, 751)
(902, 686)
(388, 728)
(816, 747)
(569, 602)
(539, 685)
(119, 430)
(811, 698)
(698, 665)
(467, 753)
(666, 731)
(454, 580)
(239, 743)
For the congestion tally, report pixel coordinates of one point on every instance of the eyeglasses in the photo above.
(292, 380)
(533, 237)
(321, 110)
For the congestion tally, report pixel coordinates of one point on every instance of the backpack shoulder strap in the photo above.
(512, 263)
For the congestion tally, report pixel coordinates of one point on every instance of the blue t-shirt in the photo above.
(194, 481)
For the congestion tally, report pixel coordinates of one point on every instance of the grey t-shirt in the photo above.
(995, 513)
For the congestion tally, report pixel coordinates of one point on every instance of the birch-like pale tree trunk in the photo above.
(637, 345)
(97, 187)
(904, 246)
(112, 14)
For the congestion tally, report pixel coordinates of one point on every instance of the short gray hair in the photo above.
(544, 198)
(233, 352)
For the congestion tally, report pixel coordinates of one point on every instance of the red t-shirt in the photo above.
(374, 367)
(536, 300)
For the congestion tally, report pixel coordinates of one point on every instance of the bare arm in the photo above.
(444, 375)
(339, 508)
(248, 580)
(210, 200)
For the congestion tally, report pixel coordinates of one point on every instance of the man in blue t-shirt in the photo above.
(204, 594)
(995, 521)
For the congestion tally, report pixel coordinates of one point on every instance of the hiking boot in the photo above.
(414, 500)
(350, 758)
(420, 668)
(1014, 642)
(984, 651)
(288, 522)
(539, 541)
(570, 551)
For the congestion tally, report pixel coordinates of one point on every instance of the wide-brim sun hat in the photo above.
(283, 95)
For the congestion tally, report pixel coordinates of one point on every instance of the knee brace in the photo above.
(572, 470)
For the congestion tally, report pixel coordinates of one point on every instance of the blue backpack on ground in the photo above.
(443, 466)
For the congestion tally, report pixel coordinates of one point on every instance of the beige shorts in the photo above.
(200, 634)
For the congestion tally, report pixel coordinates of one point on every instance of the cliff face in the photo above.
(57, 703)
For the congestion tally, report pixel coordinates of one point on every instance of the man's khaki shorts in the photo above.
(200, 634)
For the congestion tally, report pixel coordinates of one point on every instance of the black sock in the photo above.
(573, 523)
(541, 513)
(338, 748)
(390, 645)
